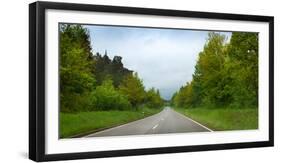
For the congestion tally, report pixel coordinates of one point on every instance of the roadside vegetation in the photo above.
(83, 123)
(223, 119)
(223, 93)
(96, 91)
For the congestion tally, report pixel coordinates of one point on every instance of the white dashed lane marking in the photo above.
(155, 126)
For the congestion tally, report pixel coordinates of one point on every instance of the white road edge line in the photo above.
(195, 122)
(155, 126)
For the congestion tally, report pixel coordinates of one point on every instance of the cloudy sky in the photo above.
(163, 58)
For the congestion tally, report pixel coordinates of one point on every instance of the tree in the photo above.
(101, 68)
(226, 75)
(108, 98)
(118, 71)
(76, 77)
(153, 98)
(132, 87)
(207, 76)
(243, 62)
(105, 68)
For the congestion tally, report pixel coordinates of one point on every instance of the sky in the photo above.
(163, 58)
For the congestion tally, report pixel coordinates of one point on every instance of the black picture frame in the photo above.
(37, 80)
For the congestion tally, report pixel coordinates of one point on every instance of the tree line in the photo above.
(226, 74)
(92, 81)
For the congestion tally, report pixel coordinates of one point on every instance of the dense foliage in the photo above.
(76, 79)
(105, 68)
(226, 74)
(90, 82)
(153, 98)
(106, 97)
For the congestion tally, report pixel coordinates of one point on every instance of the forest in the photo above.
(92, 81)
(226, 74)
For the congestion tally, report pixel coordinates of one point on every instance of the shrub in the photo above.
(107, 98)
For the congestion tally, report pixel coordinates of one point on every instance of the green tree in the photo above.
(108, 98)
(153, 98)
(76, 77)
(133, 88)
(101, 67)
(243, 63)
(225, 74)
(105, 68)
(208, 70)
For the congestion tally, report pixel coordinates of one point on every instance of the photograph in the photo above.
(131, 80)
(111, 81)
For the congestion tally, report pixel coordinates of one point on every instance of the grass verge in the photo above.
(83, 123)
(224, 118)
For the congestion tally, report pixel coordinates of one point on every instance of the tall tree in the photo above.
(76, 78)
(133, 88)
(243, 62)
(153, 98)
(105, 68)
(208, 69)
(118, 71)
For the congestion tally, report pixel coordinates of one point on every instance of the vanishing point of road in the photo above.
(166, 121)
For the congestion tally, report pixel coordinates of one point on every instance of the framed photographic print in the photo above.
(110, 81)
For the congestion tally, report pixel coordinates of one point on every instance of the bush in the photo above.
(107, 98)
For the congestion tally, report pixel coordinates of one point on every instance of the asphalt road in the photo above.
(167, 121)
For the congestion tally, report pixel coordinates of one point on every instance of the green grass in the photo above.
(82, 123)
(224, 118)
